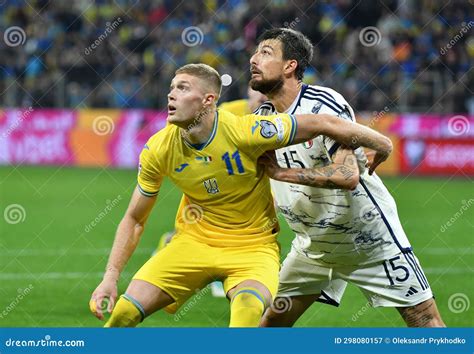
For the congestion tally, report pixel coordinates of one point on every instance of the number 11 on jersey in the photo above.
(228, 162)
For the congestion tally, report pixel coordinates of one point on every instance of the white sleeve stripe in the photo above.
(145, 193)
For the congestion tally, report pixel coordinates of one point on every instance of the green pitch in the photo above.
(57, 225)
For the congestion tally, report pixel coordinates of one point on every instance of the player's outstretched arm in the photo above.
(344, 132)
(126, 240)
(343, 173)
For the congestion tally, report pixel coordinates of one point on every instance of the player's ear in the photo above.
(290, 66)
(209, 99)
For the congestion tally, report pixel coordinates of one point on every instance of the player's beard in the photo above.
(268, 87)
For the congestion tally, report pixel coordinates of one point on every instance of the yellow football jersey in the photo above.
(238, 107)
(227, 200)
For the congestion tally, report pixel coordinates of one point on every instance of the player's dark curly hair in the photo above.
(295, 46)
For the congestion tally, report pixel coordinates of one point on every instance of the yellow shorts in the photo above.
(186, 265)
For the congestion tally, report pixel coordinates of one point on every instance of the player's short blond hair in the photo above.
(204, 72)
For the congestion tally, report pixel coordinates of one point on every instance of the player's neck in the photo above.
(283, 99)
(199, 131)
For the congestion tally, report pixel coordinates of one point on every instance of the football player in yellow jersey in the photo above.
(226, 224)
(239, 108)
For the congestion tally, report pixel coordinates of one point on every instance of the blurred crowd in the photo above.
(407, 55)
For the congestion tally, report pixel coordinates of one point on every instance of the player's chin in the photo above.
(172, 118)
(254, 81)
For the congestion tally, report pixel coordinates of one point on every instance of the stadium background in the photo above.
(83, 85)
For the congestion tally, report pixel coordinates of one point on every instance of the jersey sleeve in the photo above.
(346, 113)
(261, 133)
(149, 176)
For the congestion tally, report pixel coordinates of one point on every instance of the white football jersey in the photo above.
(335, 226)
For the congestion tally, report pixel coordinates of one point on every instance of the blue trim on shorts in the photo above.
(423, 287)
(383, 217)
(412, 261)
(405, 251)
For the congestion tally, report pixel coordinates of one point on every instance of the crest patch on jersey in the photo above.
(316, 107)
(211, 186)
(308, 144)
(267, 129)
(204, 159)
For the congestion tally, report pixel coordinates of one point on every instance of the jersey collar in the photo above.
(296, 102)
(209, 140)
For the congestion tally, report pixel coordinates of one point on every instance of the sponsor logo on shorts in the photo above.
(411, 291)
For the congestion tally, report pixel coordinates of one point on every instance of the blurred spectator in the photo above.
(123, 53)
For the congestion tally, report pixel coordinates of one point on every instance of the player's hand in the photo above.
(374, 159)
(103, 298)
(370, 154)
(270, 163)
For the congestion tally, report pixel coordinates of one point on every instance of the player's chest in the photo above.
(212, 172)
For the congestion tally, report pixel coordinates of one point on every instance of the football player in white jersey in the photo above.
(345, 220)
